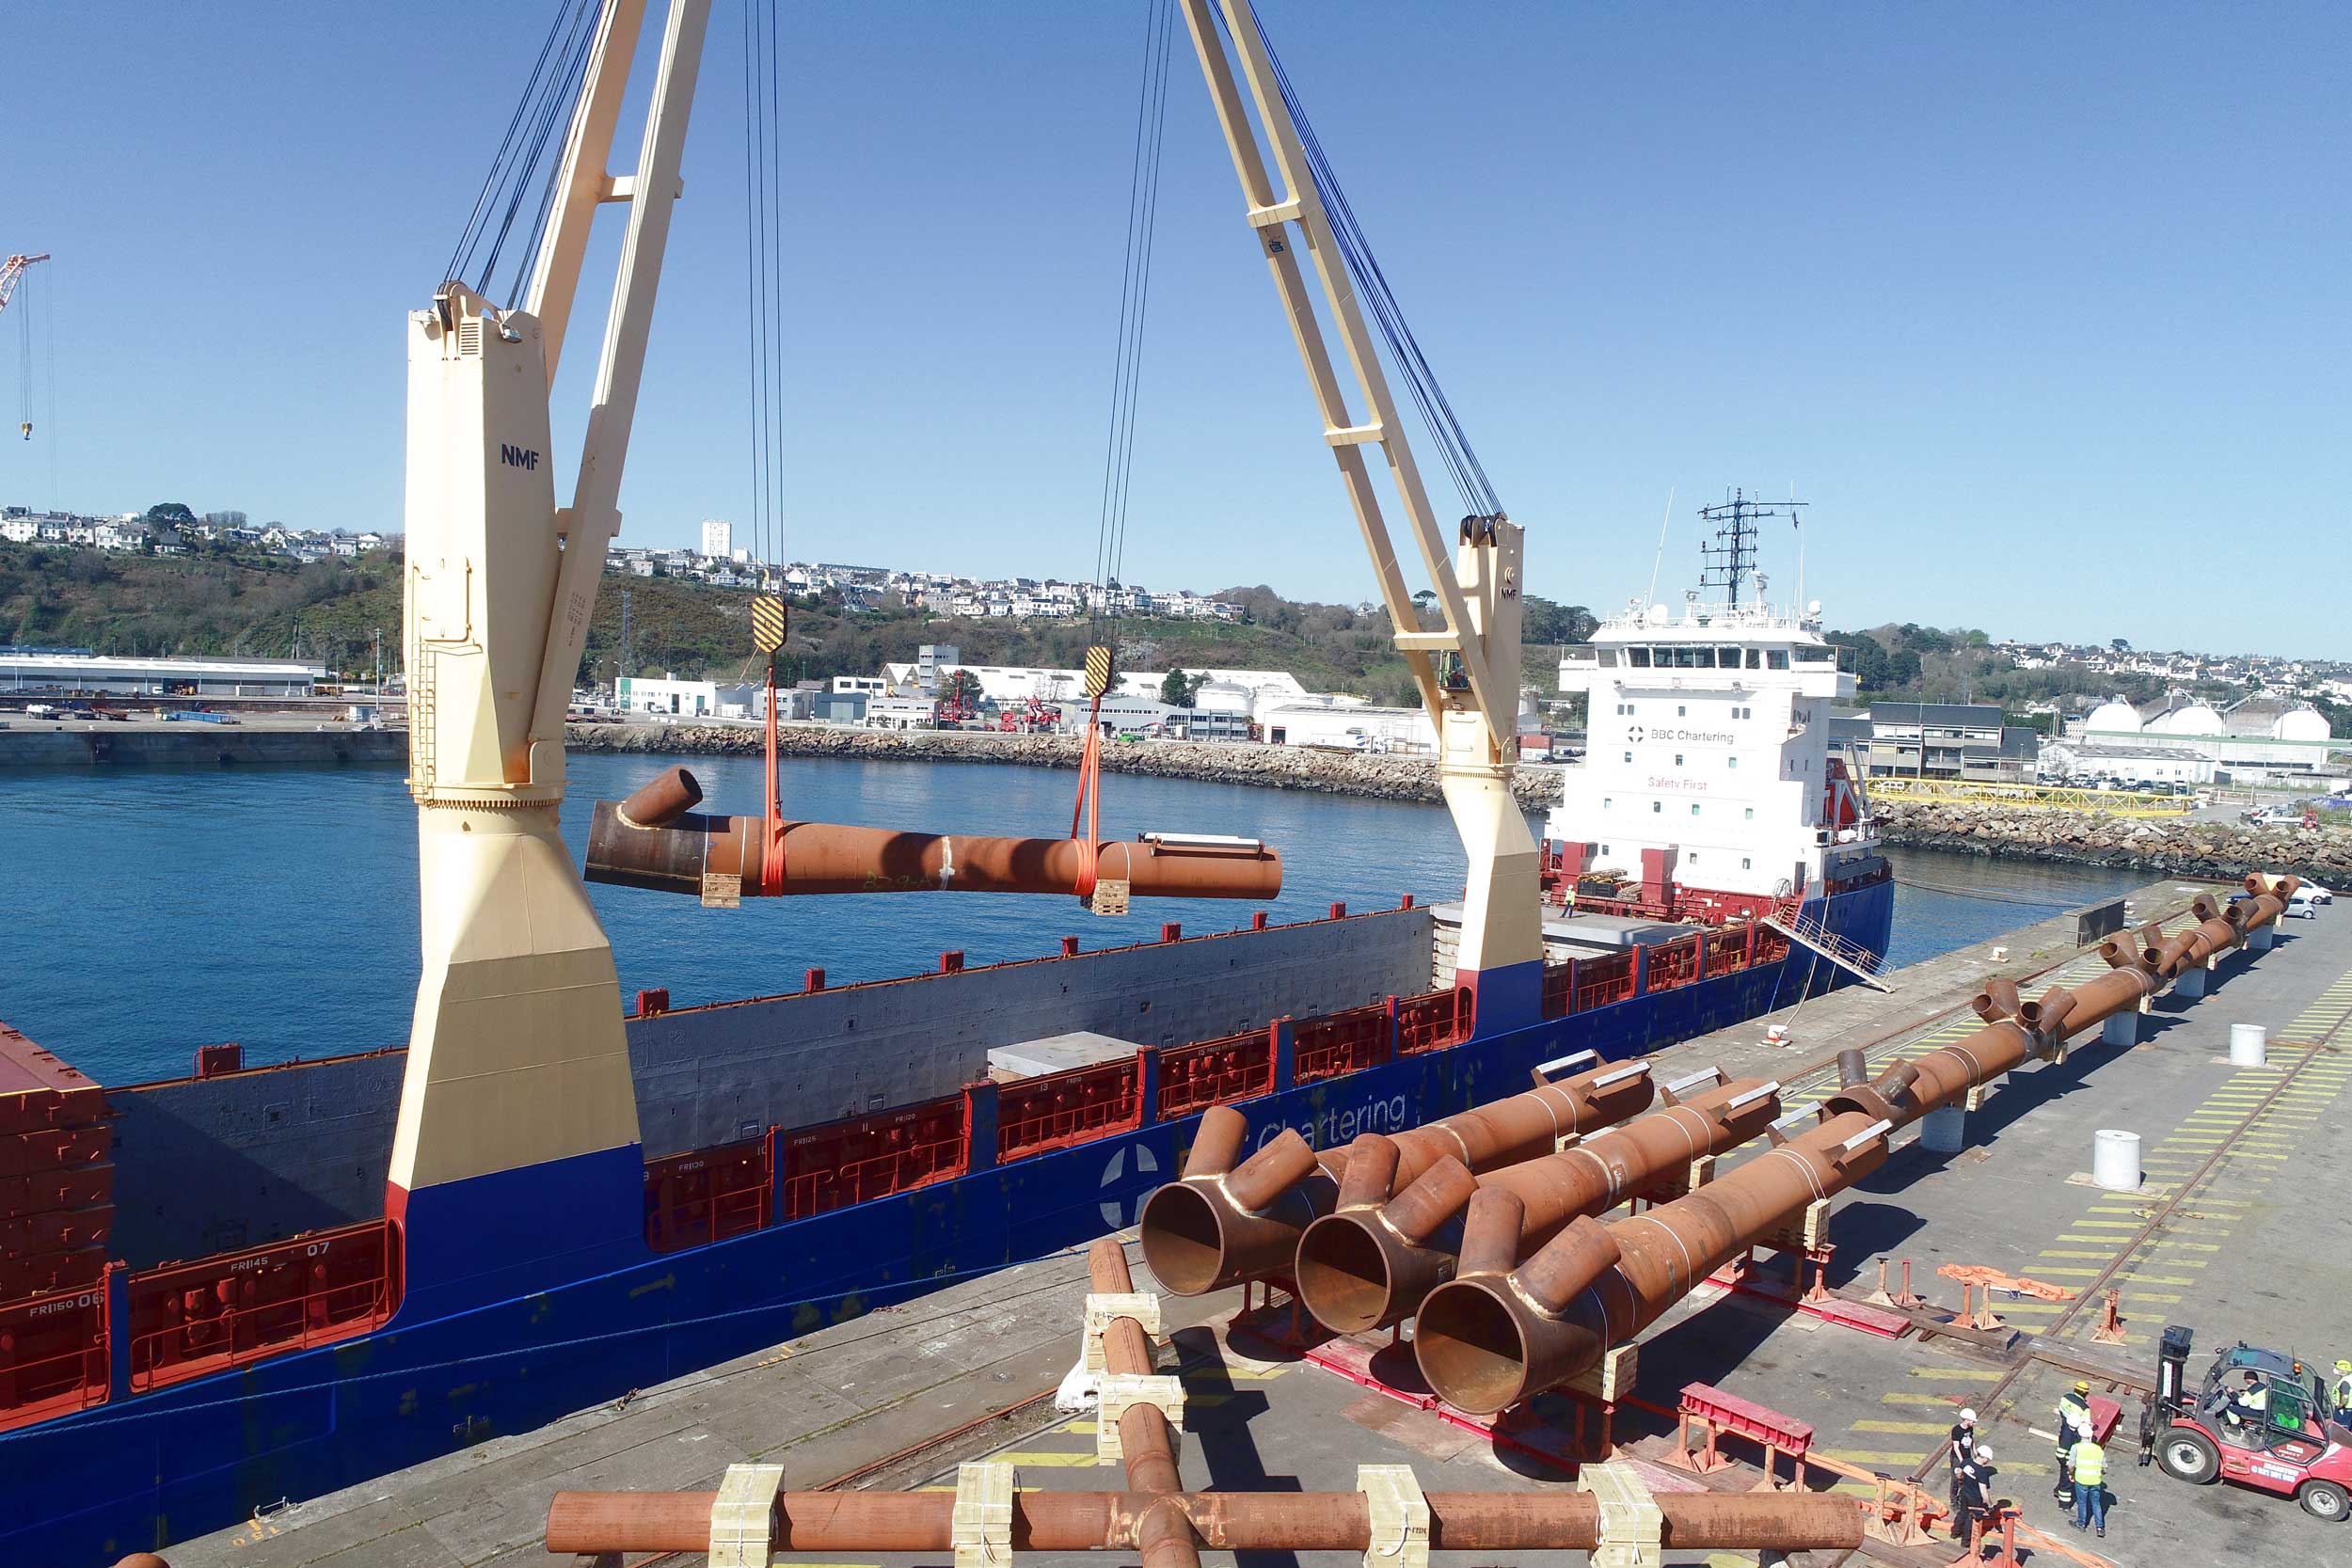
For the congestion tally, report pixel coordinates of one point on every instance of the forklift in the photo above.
(2289, 1445)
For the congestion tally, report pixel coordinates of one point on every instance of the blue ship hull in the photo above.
(140, 1472)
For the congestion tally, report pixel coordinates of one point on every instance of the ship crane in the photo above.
(13, 270)
(517, 1095)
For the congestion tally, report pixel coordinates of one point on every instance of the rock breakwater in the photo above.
(2209, 849)
(1381, 778)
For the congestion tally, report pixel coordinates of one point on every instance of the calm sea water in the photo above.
(149, 911)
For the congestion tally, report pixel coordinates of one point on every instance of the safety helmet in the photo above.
(1968, 1417)
(2082, 1388)
(2344, 1365)
(1984, 1454)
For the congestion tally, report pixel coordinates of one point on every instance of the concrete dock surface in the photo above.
(2247, 1242)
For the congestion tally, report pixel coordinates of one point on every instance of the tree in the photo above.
(1178, 690)
(2121, 644)
(170, 512)
(1543, 622)
(961, 688)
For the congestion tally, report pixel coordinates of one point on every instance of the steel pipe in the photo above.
(2118, 990)
(2269, 899)
(662, 800)
(1489, 1342)
(828, 857)
(1209, 1230)
(1552, 1520)
(1362, 1268)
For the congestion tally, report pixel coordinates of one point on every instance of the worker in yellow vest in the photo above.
(2089, 1463)
(2339, 1395)
(2074, 1425)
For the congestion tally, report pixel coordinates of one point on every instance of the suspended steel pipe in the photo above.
(1369, 1265)
(595, 1522)
(1488, 1340)
(1221, 1223)
(653, 840)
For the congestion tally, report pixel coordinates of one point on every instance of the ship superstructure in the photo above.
(1712, 785)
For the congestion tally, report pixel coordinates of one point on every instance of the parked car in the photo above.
(2274, 816)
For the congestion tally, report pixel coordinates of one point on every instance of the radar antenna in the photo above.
(1730, 560)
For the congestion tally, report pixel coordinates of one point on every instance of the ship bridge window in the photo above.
(1728, 658)
(1609, 659)
(1817, 655)
(1755, 659)
(1688, 658)
(1777, 658)
(1637, 659)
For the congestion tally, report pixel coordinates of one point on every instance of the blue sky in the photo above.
(2043, 309)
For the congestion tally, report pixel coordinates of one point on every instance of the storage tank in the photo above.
(2301, 722)
(2114, 715)
(2190, 718)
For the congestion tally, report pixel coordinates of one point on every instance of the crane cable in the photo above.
(1477, 493)
(763, 279)
(1119, 449)
(529, 155)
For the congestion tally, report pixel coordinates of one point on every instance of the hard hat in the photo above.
(1984, 1454)
(2081, 1387)
(2344, 1365)
(1968, 1417)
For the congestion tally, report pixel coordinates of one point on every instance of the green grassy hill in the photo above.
(269, 606)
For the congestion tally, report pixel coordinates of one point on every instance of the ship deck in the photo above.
(895, 1398)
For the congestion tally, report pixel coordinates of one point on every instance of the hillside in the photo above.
(269, 606)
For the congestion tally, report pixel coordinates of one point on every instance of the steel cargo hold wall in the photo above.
(711, 1075)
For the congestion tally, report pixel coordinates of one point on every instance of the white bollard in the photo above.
(2249, 1045)
(2258, 940)
(1945, 1130)
(2191, 982)
(2115, 1159)
(2120, 1029)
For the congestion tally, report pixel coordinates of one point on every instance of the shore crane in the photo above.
(517, 1096)
(13, 270)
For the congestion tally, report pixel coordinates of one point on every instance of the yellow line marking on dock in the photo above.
(2061, 1252)
(1047, 1460)
(1958, 1374)
(1872, 1456)
(1927, 1429)
(1951, 1402)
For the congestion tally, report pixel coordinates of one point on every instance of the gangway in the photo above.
(1790, 921)
(2106, 803)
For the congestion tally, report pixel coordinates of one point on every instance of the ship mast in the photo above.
(1730, 562)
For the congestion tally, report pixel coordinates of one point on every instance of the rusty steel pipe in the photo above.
(2118, 990)
(595, 1522)
(1362, 1269)
(1199, 1235)
(829, 857)
(1164, 1535)
(2269, 900)
(1490, 1232)
(1485, 1343)
(662, 800)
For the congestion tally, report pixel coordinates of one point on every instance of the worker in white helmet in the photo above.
(1959, 1455)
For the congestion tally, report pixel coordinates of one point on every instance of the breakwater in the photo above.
(1377, 778)
(2207, 849)
(198, 745)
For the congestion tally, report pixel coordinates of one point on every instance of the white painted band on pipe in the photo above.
(2249, 1045)
(2115, 1159)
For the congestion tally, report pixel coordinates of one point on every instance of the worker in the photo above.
(1971, 1500)
(2074, 1425)
(2249, 1402)
(1958, 1455)
(2089, 1463)
(2339, 1395)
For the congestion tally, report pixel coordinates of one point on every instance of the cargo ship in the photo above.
(254, 1285)
(210, 1310)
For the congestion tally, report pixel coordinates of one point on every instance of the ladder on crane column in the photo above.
(1789, 919)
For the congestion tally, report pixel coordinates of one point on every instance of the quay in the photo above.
(251, 739)
(2228, 1235)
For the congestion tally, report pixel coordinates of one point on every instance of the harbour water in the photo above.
(153, 911)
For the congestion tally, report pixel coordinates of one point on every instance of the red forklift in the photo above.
(2282, 1440)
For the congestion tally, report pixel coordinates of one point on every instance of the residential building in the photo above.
(718, 538)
